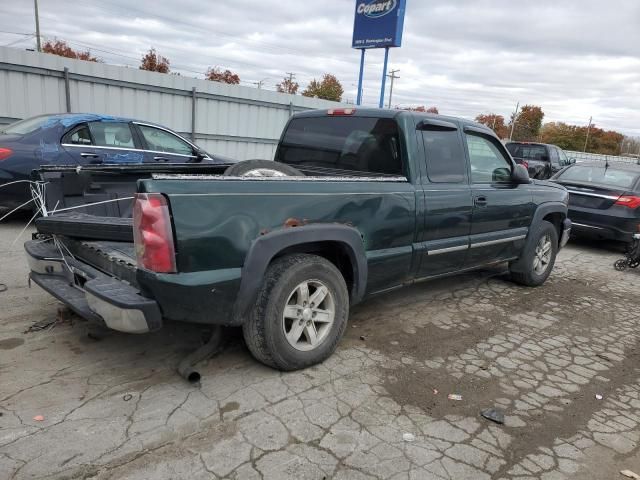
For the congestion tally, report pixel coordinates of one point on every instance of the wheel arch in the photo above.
(341, 244)
(552, 212)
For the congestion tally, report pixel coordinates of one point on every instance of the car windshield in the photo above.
(26, 126)
(608, 177)
(527, 151)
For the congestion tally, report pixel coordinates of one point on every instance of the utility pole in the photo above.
(513, 122)
(35, 2)
(392, 75)
(260, 83)
(588, 131)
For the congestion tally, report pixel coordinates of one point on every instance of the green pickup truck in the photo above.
(358, 202)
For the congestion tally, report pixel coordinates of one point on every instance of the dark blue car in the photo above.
(84, 139)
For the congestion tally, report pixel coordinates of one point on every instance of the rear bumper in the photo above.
(601, 231)
(90, 293)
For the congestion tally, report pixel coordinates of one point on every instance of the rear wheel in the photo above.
(262, 168)
(539, 256)
(300, 314)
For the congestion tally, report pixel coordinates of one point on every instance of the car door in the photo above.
(162, 145)
(78, 143)
(502, 210)
(447, 198)
(115, 142)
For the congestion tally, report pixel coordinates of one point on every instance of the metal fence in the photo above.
(596, 157)
(230, 120)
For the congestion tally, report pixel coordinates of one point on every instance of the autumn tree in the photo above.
(153, 62)
(288, 85)
(329, 88)
(62, 49)
(422, 108)
(216, 74)
(527, 123)
(574, 137)
(495, 122)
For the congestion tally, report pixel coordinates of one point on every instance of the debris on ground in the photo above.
(46, 324)
(603, 357)
(363, 338)
(127, 397)
(38, 418)
(494, 414)
(598, 396)
(435, 391)
(3, 287)
(630, 474)
(454, 396)
(408, 437)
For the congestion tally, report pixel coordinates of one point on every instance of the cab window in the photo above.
(445, 158)
(488, 163)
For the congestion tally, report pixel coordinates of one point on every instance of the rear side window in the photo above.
(78, 136)
(527, 151)
(162, 141)
(445, 158)
(111, 134)
(608, 177)
(356, 144)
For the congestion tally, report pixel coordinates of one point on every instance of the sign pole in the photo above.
(384, 76)
(359, 100)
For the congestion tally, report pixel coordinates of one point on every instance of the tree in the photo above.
(528, 122)
(153, 62)
(433, 110)
(573, 137)
(216, 74)
(287, 85)
(328, 88)
(60, 48)
(495, 122)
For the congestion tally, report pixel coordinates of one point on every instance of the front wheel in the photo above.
(538, 257)
(300, 314)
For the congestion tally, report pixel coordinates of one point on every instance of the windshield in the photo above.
(527, 151)
(358, 144)
(608, 177)
(26, 126)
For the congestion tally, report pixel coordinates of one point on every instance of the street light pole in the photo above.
(35, 4)
(588, 131)
(392, 76)
(513, 122)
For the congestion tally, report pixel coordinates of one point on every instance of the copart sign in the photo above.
(378, 23)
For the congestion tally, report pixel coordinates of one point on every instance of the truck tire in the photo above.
(539, 256)
(287, 329)
(262, 168)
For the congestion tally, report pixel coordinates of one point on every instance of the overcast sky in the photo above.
(574, 58)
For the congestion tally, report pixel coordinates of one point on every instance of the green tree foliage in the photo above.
(528, 122)
(328, 88)
(153, 62)
(495, 122)
(60, 48)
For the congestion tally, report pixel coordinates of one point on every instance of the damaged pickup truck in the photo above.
(357, 202)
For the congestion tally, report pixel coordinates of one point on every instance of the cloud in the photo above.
(574, 58)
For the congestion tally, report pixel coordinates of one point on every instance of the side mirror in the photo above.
(520, 175)
(572, 161)
(501, 175)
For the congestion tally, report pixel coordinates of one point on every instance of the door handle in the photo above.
(480, 201)
(161, 159)
(89, 155)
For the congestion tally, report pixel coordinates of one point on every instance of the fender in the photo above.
(266, 247)
(542, 211)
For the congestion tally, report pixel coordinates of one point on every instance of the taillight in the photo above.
(152, 233)
(630, 201)
(341, 111)
(525, 164)
(5, 153)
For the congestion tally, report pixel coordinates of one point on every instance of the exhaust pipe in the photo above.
(186, 367)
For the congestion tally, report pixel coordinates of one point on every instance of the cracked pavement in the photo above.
(114, 407)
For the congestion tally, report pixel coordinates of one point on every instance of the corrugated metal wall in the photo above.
(230, 120)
